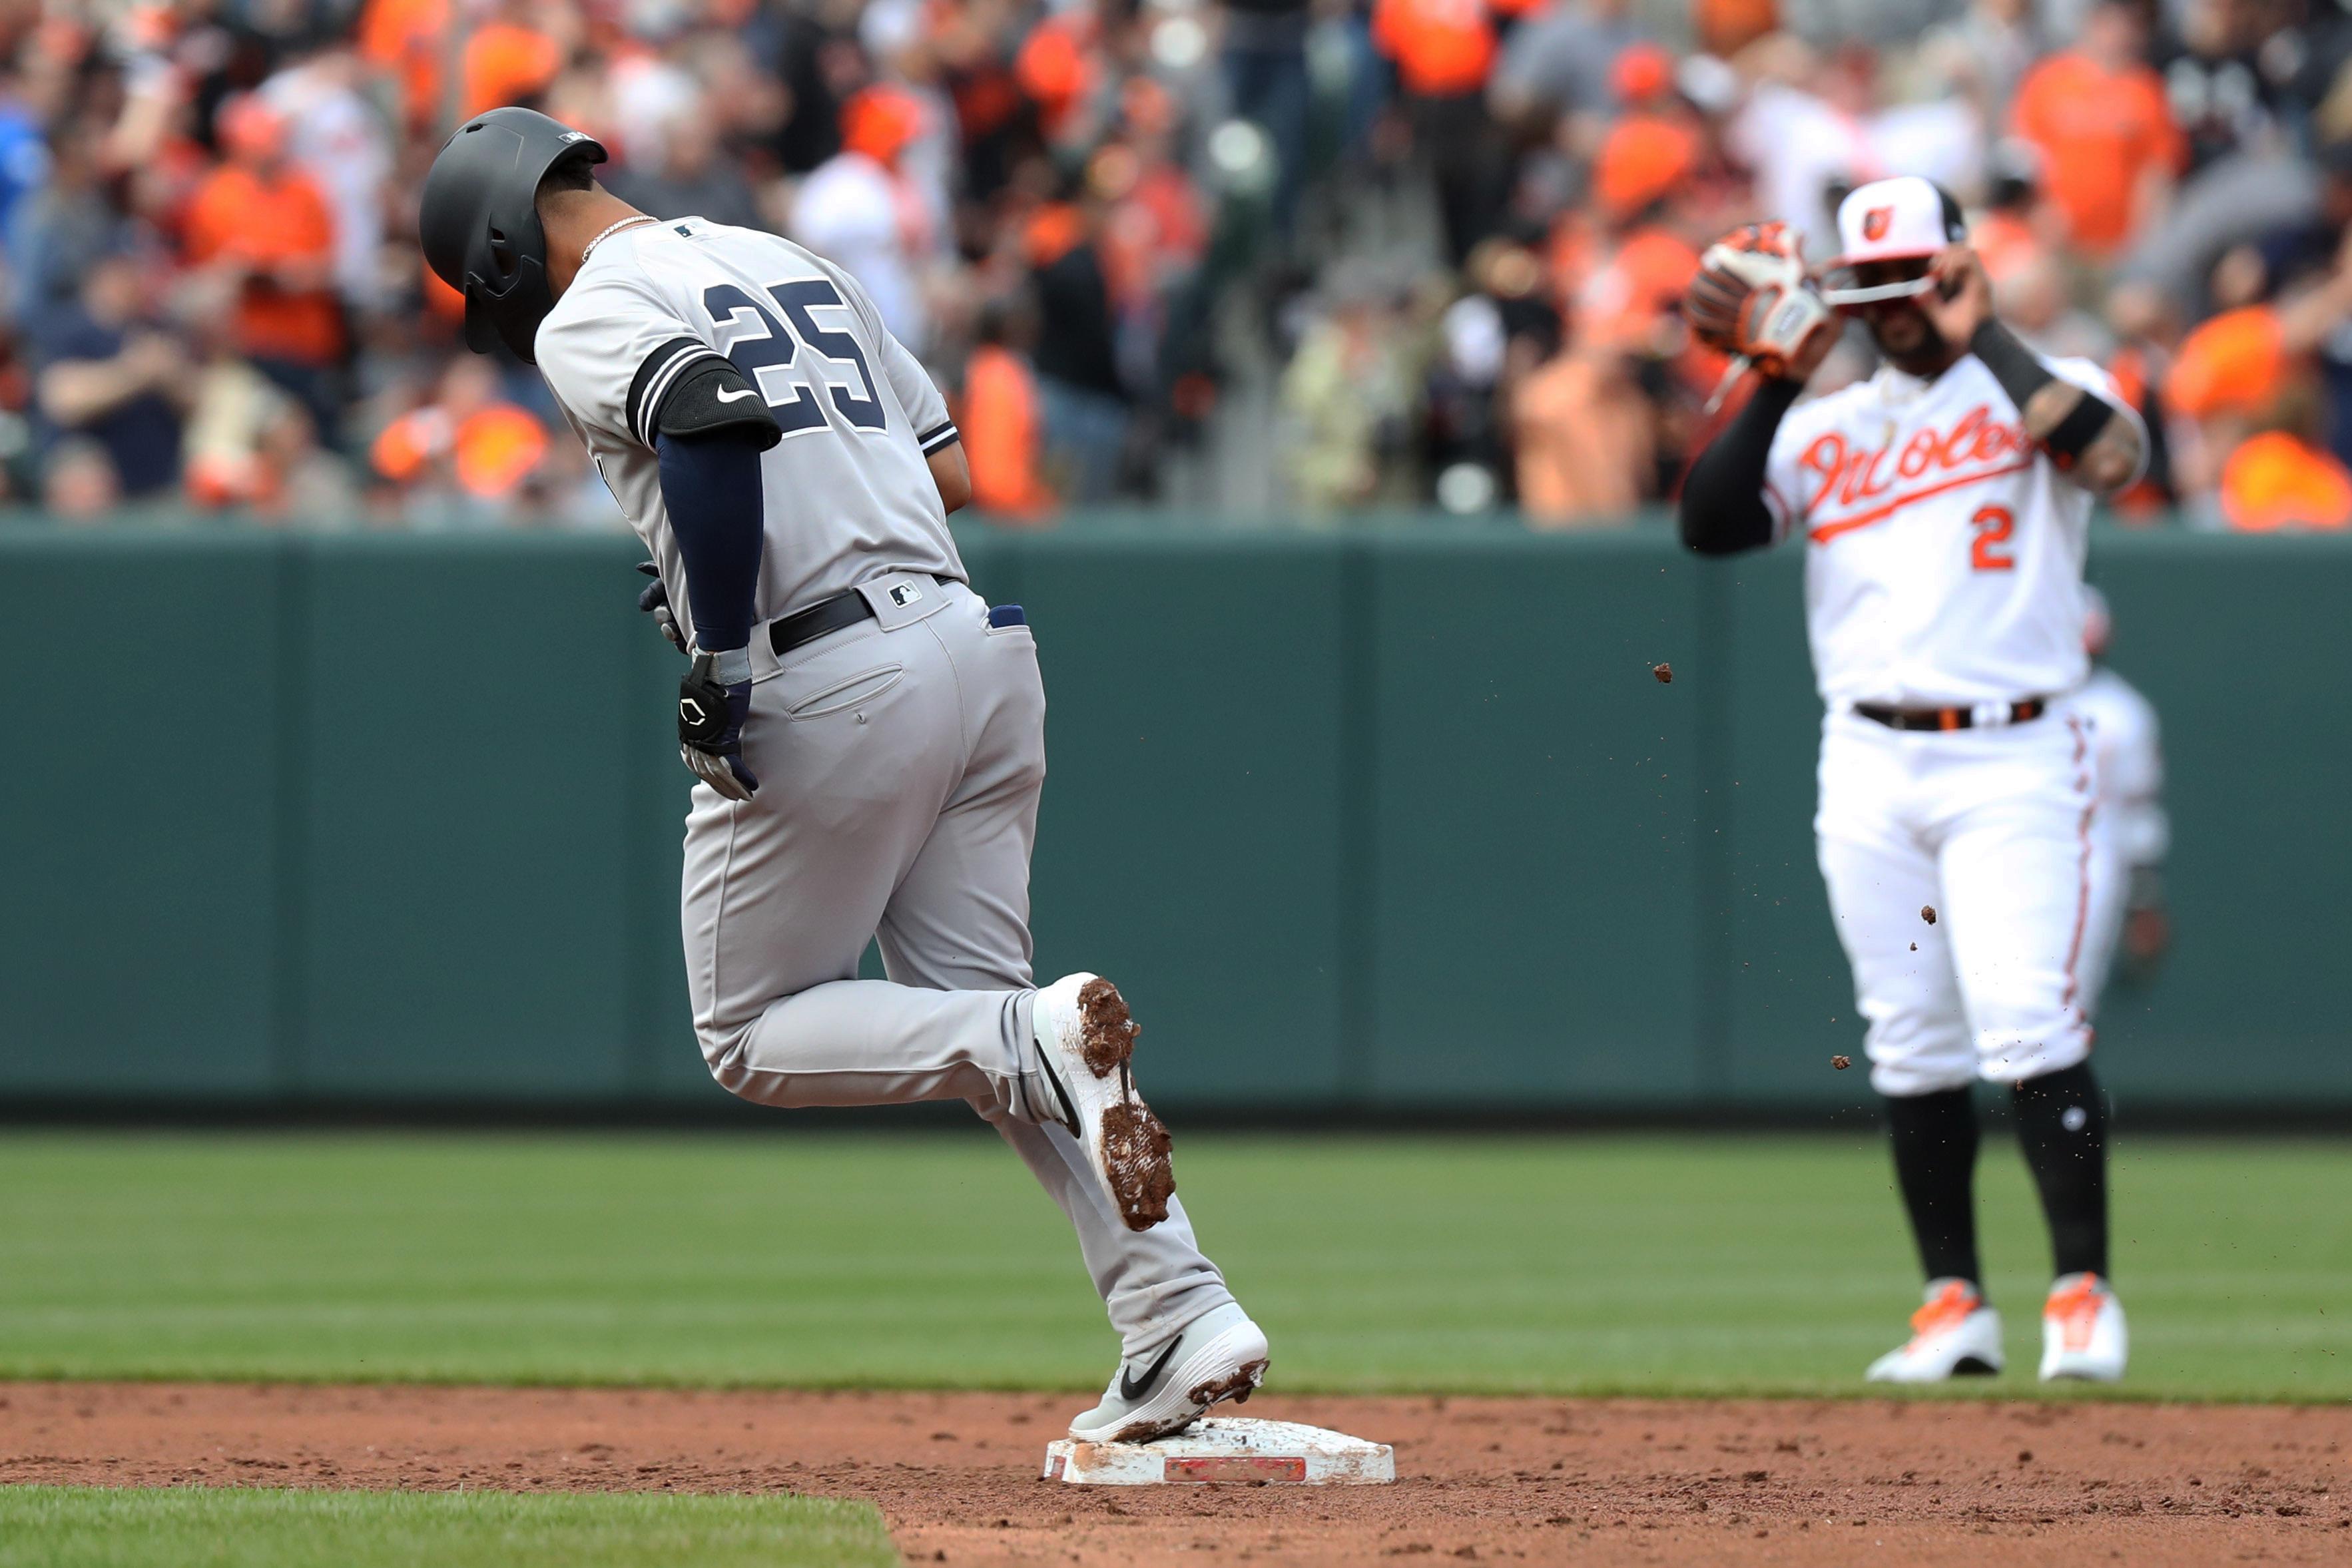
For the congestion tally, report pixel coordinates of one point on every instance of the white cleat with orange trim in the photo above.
(1954, 1334)
(2083, 1334)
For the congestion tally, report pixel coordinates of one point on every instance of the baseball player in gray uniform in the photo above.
(867, 733)
(2129, 920)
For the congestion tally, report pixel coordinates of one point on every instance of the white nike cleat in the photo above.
(1953, 1334)
(1218, 1357)
(2082, 1332)
(1084, 1041)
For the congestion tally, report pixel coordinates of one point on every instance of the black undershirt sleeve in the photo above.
(1723, 509)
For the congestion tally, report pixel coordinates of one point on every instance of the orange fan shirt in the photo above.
(998, 422)
(236, 214)
(404, 38)
(2099, 133)
(1622, 298)
(506, 64)
(1443, 49)
(494, 450)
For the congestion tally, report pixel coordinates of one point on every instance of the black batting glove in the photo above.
(711, 711)
(654, 602)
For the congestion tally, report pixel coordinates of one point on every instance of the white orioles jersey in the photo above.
(1943, 550)
(848, 493)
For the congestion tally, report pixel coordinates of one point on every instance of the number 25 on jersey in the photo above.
(754, 340)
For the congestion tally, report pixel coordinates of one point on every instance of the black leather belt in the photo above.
(786, 633)
(1946, 717)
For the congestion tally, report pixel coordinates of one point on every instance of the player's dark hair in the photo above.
(569, 172)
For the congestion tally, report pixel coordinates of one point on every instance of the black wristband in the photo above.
(2016, 367)
(2081, 427)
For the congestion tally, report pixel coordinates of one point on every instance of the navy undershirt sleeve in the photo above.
(710, 485)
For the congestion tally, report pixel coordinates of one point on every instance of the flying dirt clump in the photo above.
(1840, 1062)
(1666, 673)
(1928, 913)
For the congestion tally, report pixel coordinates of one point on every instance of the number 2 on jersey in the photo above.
(751, 336)
(1988, 552)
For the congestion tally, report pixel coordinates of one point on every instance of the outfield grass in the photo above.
(1568, 1264)
(92, 1527)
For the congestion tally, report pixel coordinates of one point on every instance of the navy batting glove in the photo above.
(711, 711)
(654, 602)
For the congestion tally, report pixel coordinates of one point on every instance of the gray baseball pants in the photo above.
(899, 763)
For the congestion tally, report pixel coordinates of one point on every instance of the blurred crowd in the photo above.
(1395, 253)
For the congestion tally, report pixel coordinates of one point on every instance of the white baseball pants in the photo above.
(899, 763)
(1996, 830)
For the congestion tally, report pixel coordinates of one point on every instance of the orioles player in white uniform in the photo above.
(869, 733)
(1943, 505)
(2128, 918)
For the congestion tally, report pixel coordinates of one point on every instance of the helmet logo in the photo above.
(1876, 222)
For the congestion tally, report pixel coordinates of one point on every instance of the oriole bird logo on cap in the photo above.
(1875, 222)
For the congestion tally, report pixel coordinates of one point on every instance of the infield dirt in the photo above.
(1537, 1480)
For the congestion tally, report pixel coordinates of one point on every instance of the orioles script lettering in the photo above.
(1847, 476)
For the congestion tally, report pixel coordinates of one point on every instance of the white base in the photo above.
(1226, 1448)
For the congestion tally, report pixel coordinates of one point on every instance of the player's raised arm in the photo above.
(2095, 443)
(1750, 298)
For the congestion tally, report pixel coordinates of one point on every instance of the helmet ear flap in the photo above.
(481, 327)
(519, 328)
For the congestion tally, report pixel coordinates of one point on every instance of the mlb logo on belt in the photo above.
(1876, 221)
(902, 594)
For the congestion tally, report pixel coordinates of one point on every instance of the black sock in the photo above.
(2061, 1121)
(1936, 1164)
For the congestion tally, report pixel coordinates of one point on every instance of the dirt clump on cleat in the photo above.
(1236, 1386)
(1107, 1030)
(1136, 1147)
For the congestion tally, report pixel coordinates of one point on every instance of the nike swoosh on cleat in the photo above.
(725, 396)
(1069, 1106)
(1130, 1389)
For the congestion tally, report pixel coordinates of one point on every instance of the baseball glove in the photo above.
(1751, 298)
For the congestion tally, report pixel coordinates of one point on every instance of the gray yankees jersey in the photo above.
(849, 497)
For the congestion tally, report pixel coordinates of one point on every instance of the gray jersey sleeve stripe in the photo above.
(655, 377)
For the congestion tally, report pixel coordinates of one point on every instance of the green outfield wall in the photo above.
(1373, 822)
